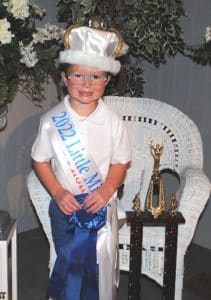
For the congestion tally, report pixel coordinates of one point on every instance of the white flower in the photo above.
(5, 33)
(38, 10)
(19, 8)
(5, 3)
(208, 34)
(29, 56)
(47, 33)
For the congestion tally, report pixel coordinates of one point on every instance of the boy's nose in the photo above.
(86, 82)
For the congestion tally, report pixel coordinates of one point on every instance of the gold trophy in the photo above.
(156, 187)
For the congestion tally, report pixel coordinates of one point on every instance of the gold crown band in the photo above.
(119, 46)
(67, 34)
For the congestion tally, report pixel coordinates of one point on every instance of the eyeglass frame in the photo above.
(89, 77)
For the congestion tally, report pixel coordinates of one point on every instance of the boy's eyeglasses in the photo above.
(79, 78)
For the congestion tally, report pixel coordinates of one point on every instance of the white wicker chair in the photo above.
(148, 119)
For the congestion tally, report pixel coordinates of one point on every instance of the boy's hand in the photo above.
(66, 202)
(96, 200)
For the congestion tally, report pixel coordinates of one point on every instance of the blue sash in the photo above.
(75, 273)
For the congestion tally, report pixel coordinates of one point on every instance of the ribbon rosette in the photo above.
(85, 220)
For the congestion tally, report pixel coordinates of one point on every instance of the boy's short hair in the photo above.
(64, 68)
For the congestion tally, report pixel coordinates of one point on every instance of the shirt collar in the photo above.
(97, 116)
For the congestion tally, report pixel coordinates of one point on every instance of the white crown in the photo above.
(93, 47)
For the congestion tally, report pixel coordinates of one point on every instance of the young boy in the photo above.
(81, 156)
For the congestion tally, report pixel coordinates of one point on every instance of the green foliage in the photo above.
(149, 27)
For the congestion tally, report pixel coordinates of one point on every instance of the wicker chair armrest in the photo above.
(40, 199)
(193, 194)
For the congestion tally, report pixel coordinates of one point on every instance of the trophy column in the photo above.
(170, 222)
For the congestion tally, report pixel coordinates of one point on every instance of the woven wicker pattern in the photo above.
(40, 200)
(148, 119)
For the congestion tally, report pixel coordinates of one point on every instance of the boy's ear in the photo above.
(64, 78)
(108, 79)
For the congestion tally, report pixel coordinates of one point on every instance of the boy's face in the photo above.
(83, 89)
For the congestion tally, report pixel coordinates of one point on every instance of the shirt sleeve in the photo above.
(121, 144)
(42, 149)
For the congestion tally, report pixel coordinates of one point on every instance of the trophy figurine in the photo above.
(156, 187)
(137, 204)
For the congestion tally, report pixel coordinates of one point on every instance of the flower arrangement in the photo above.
(28, 53)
